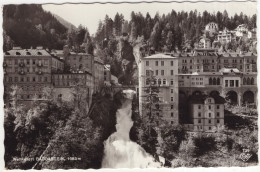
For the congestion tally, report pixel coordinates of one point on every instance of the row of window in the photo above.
(150, 72)
(231, 83)
(158, 82)
(147, 63)
(27, 61)
(217, 114)
(199, 106)
(248, 81)
(205, 61)
(209, 121)
(27, 79)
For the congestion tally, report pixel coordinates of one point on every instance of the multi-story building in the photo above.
(226, 36)
(34, 69)
(31, 70)
(78, 62)
(164, 69)
(207, 113)
(212, 28)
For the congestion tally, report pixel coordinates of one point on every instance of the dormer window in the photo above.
(28, 53)
(18, 53)
(39, 53)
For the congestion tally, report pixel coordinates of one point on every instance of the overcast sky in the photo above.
(89, 14)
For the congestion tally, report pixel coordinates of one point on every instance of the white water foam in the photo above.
(120, 151)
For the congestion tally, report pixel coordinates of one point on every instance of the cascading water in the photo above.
(120, 151)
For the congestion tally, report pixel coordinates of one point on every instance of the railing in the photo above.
(21, 64)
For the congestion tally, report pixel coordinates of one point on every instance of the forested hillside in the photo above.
(30, 25)
(171, 30)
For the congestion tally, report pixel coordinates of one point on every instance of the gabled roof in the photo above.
(160, 56)
(27, 52)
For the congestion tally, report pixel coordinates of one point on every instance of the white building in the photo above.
(165, 70)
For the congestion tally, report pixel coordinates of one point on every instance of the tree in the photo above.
(154, 38)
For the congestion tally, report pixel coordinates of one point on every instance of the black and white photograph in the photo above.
(111, 85)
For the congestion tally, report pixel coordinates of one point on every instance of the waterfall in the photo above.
(120, 151)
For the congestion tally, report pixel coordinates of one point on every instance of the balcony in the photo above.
(21, 64)
(21, 72)
(39, 72)
(39, 64)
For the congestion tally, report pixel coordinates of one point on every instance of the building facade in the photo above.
(164, 69)
(31, 70)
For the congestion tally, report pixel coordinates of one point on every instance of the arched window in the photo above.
(248, 81)
(252, 81)
(244, 81)
(218, 81)
(214, 81)
(210, 81)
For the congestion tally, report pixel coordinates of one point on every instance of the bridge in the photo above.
(114, 89)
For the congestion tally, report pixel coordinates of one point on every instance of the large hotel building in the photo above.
(194, 86)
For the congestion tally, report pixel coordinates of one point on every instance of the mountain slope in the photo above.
(30, 25)
(64, 22)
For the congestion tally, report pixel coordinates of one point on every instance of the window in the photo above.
(28, 61)
(171, 81)
(22, 79)
(218, 121)
(172, 114)
(147, 81)
(45, 79)
(210, 121)
(231, 83)
(171, 106)
(172, 99)
(156, 63)
(199, 107)
(156, 72)
(171, 122)
(162, 63)
(199, 114)
(159, 82)
(171, 90)
(209, 128)
(209, 106)
(171, 72)
(217, 106)
(171, 63)
(237, 83)
(164, 81)
(162, 72)
(33, 79)
(147, 63)
(33, 61)
(218, 114)
(226, 83)
(147, 72)
(199, 121)
(209, 114)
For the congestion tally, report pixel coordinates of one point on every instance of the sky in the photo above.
(89, 15)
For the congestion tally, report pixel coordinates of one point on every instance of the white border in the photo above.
(3, 2)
